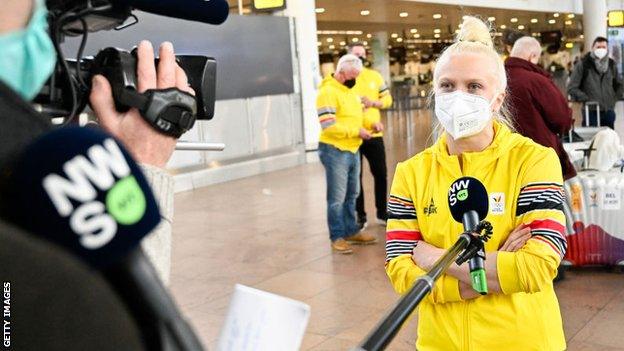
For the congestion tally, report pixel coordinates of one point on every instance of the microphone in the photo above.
(207, 11)
(80, 189)
(468, 202)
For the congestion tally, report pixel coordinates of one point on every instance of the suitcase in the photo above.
(585, 132)
(594, 212)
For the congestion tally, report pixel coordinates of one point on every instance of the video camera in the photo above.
(170, 111)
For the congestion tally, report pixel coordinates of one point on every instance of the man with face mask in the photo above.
(540, 110)
(344, 126)
(595, 78)
(372, 88)
(27, 61)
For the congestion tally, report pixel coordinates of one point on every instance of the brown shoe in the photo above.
(341, 246)
(361, 239)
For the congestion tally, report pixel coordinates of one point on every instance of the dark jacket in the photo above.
(19, 124)
(540, 110)
(587, 84)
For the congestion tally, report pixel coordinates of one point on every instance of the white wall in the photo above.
(615, 4)
(309, 69)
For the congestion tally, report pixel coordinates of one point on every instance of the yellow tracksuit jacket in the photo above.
(524, 183)
(372, 85)
(340, 113)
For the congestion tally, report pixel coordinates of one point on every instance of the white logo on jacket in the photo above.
(497, 203)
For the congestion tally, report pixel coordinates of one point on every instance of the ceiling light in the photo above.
(416, 36)
(492, 19)
(555, 15)
(571, 15)
(581, 36)
(369, 35)
(569, 45)
(513, 20)
(365, 42)
(319, 10)
(343, 43)
(552, 21)
(355, 40)
(436, 36)
(521, 27)
(437, 31)
(413, 30)
(330, 40)
(533, 20)
(365, 12)
(403, 14)
(503, 26)
(568, 23)
(394, 35)
(399, 40)
(332, 47)
(437, 16)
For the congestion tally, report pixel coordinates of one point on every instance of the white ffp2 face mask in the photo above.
(601, 52)
(462, 114)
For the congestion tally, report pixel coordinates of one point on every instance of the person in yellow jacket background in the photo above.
(343, 127)
(525, 188)
(372, 88)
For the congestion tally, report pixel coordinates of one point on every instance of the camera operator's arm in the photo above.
(149, 147)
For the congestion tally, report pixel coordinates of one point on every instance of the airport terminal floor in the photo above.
(270, 232)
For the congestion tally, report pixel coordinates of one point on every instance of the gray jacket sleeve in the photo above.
(574, 86)
(157, 244)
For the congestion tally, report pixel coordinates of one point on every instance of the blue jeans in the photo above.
(342, 171)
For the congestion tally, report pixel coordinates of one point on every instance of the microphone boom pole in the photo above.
(385, 331)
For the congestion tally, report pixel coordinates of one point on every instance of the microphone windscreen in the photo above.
(207, 11)
(79, 188)
(468, 194)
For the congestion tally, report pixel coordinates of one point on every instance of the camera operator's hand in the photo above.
(147, 145)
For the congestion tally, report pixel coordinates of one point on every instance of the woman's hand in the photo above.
(516, 240)
(425, 255)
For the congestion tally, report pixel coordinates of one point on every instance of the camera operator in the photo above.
(28, 60)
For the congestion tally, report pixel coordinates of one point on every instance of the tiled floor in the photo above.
(269, 232)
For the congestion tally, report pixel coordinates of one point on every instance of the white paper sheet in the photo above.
(262, 321)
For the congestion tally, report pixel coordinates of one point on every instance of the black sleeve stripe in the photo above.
(535, 206)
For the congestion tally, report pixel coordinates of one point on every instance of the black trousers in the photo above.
(375, 152)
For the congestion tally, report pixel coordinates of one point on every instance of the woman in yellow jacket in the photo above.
(524, 183)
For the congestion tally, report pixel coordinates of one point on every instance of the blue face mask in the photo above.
(27, 56)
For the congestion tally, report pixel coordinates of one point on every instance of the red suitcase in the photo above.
(595, 216)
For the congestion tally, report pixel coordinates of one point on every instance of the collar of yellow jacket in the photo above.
(502, 142)
(331, 81)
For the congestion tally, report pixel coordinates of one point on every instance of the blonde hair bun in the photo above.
(476, 31)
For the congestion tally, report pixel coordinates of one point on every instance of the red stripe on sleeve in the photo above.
(547, 224)
(403, 235)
